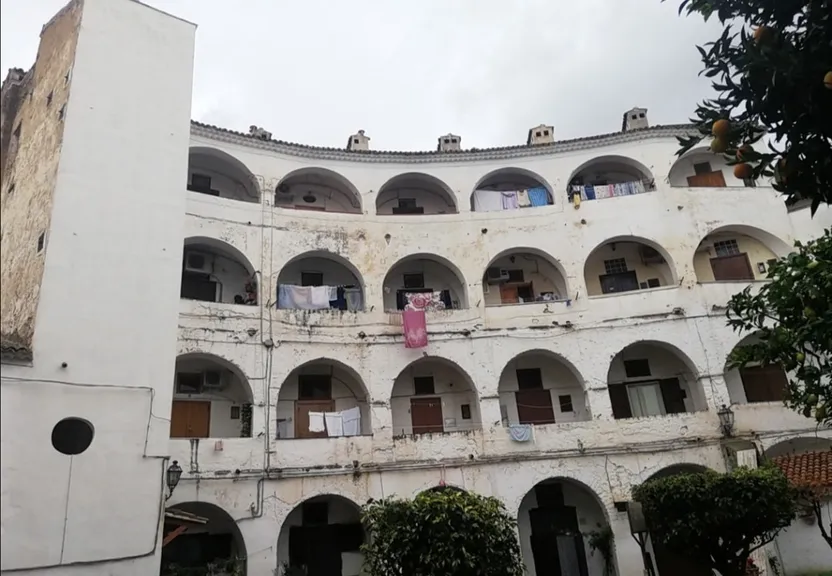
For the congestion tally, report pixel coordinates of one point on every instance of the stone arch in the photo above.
(203, 518)
(736, 250)
(335, 270)
(679, 468)
(430, 385)
(332, 386)
(511, 178)
(216, 271)
(435, 270)
(612, 169)
(227, 176)
(754, 383)
(682, 173)
(556, 275)
(221, 246)
(328, 191)
(560, 398)
(798, 445)
(431, 194)
(643, 257)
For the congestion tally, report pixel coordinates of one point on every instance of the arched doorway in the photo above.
(510, 188)
(322, 536)
(736, 254)
(610, 176)
(216, 173)
(317, 189)
(201, 538)
(415, 193)
(320, 269)
(628, 263)
(425, 274)
(754, 382)
(523, 276)
(555, 522)
(215, 271)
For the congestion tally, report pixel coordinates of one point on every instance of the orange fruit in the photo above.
(719, 145)
(743, 171)
(764, 35)
(744, 149)
(827, 80)
(721, 128)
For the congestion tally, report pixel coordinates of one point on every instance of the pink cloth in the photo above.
(415, 329)
(427, 301)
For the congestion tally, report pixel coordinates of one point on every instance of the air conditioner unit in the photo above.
(650, 255)
(198, 262)
(495, 275)
(212, 380)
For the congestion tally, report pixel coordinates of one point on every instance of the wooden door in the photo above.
(508, 294)
(426, 415)
(707, 180)
(302, 410)
(535, 406)
(190, 419)
(764, 383)
(735, 267)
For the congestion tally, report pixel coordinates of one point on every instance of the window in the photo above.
(447, 141)
(702, 168)
(414, 280)
(545, 132)
(538, 134)
(423, 385)
(311, 279)
(637, 368)
(200, 183)
(634, 116)
(454, 140)
(49, 99)
(529, 379)
(515, 275)
(565, 402)
(764, 383)
(615, 266)
(189, 383)
(355, 141)
(653, 283)
(408, 206)
(641, 115)
(726, 248)
(41, 242)
(314, 386)
(235, 412)
(314, 513)
(646, 400)
(466, 411)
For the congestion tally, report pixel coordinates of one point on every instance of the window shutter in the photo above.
(672, 396)
(620, 401)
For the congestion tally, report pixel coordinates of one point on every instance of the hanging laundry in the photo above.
(487, 201)
(316, 422)
(319, 297)
(354, 299)
(509, 199)
(337, 300)
(351, 419)
(334, 424)
(520, 432)
(539, 196)
(639, 187)
(523, 199)
(602, 191)
(588, 193)
(415, 329)
(425, 301)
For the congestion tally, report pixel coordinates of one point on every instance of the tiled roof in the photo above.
(199, 129)
(810, 469)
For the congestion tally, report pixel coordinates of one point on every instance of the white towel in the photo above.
(319, 297)
(487, 201)
(520, 432)
(352, 421)
(523, 198)
(316, 422)
(334, 424)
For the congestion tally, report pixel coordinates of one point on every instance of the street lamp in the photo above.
(174, 473)
(726, 420)
(638, 528)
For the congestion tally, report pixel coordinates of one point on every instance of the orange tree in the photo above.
(771, 70)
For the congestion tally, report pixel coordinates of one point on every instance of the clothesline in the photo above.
(603, 191)
(497, 200)
(292, 297)
(335, 424)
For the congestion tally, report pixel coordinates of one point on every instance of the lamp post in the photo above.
(174, 473)
(726, 420)
(638, 528)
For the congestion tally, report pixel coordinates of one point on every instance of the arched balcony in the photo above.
(736, 254)
(211, 399)
(434, 395)
(201, 538)
(701, 168)
(554, 523)
(523, 276)
(318, 190)
(610, 176)
(323, 399)
(510, 189)
(754, 382)
(539, 387)
(425, 274)
(649, 379)
(214, 271)
(628, 263)
(320, 280)
(217, 173)
(415, 193)
(321, 536)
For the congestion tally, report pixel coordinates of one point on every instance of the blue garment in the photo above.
(539, 196)
(589, 193)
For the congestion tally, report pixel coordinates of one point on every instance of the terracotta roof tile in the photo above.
(810, 469)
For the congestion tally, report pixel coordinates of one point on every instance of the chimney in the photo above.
(358, 141)
(635, 119)
(449, 143)
(259, 133)
(541, 135)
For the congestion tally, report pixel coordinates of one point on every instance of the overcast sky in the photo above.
(408, 71)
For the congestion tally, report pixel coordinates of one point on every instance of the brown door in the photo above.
(535, 406)
(707, 180)
(764, 383)
(426, 415)
(736, 267)
(302, 410)
(508, 294)
(190, 419)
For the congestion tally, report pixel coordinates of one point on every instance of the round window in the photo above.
(72, 436)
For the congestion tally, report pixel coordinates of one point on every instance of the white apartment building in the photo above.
(162, 299)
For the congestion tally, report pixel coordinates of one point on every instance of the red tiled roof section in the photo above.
(810, 469)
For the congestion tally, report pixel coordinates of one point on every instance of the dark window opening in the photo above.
(538, 134)
(202, 184)
(529, 379)
(653, 283)
(637, 368)
(525, 292)
(414, 280)
(702, 168)
(408, 206)
(620, 282)
(355, 141)
(447, 141)
(423, 385)
(515, 275)
(189, 383)
(615, 265)
(466, 411)
(565, 402)
(641, 115)
(196, 286)
(235, 412)
(311, 279)
(764, 383)
(315, 513)
(634, 116)
(314, 386)
(545, 132)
